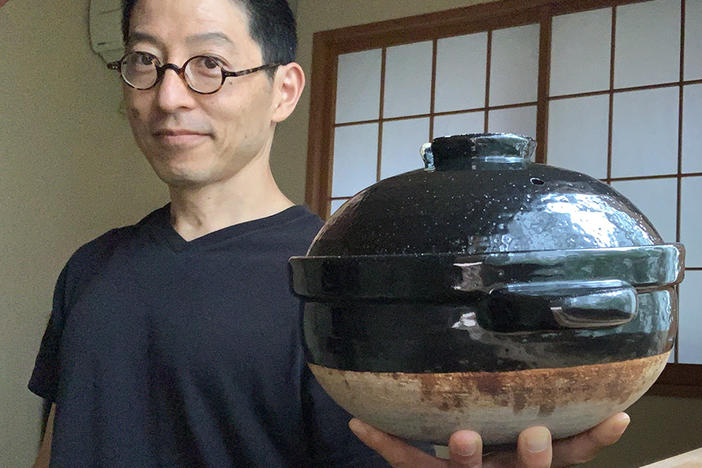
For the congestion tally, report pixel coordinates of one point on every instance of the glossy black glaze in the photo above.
(416, 337)
(482, 194)
(484, 211)
(462, 151)
(449, 277)
(486, 261)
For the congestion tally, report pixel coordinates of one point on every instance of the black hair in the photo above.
(271, 25)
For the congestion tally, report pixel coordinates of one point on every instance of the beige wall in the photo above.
(69, 170)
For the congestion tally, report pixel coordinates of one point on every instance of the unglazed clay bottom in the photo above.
(498, 405)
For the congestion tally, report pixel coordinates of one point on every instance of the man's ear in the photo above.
(288, 83)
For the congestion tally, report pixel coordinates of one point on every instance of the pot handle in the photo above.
(558, 305)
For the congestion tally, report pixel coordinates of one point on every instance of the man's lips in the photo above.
(177, 132)
(179, 136)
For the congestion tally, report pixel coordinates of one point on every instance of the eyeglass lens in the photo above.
(202, 74)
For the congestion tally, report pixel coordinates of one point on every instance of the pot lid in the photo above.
(480, 194)
(483, 224)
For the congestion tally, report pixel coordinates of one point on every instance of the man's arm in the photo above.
(44, 454)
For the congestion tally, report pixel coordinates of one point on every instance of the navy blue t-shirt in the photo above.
(163, 352)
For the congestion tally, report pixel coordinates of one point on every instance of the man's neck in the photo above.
(197, 211)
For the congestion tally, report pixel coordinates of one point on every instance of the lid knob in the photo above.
(478, 151)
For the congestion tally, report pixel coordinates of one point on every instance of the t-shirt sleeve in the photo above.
(44, 379)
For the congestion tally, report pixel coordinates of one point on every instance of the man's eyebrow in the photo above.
(209, 37)
(137, 36)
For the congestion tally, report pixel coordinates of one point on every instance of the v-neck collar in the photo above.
(161, 223)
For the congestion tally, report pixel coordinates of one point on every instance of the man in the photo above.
(176, 342)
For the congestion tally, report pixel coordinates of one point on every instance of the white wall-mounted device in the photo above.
(106, 29)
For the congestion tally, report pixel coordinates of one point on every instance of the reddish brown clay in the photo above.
(497, 404)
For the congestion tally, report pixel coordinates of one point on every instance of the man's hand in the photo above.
(534, 447)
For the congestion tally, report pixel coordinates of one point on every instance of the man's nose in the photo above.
(172, 91)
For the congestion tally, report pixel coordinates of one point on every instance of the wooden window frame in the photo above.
(682, 380)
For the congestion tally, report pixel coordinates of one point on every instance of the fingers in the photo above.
(534, 448)
(583, 447)
(398, 453)
(466, 450)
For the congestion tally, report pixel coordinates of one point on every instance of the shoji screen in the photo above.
(610, 88)
(390, 101)
(624, 107)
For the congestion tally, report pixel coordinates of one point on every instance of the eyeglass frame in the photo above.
(180, 71)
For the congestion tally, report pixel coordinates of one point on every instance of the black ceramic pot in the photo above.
(487, 292)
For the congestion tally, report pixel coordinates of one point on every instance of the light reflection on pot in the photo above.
(487, 292)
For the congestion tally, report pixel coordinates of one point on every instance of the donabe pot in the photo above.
(487, 292)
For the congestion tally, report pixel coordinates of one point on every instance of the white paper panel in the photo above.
(460, 72)
(358, 86)
(581, 38)
(690, 331)
(520, 120)
(693, 39)
(355, 159)
(514, 66)
(691, 220)
(578, 133)
(335, 205)
(402, 140)
(408, 79)
(647, 47)
(692, 128)
(645, 132)
(657, 199)
(457, 124)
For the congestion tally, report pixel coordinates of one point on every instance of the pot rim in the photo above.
(447, 277)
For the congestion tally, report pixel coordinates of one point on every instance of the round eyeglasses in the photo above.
(203, 74)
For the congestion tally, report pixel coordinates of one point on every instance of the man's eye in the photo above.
(210, 63)
(145, 59)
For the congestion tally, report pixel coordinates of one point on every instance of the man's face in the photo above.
(191, 139)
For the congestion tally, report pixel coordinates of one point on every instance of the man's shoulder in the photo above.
(103, 246)
(301, 220)
(295, 228)
(102, 243)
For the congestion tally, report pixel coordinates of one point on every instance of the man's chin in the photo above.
(180, 170)
(184, 179)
